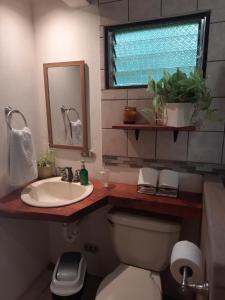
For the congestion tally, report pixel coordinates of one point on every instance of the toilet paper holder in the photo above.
(201, 289)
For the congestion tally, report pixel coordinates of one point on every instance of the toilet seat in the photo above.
(130, 283)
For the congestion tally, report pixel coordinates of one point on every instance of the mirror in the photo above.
(66, 105)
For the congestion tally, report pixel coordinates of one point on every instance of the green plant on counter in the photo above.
(182, 88)
(46, 159)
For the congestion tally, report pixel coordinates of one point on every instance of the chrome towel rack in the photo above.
(68, 110)
(9, 111)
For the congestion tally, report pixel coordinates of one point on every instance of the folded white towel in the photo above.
(148, 177)
(168, 179)
(22, 161)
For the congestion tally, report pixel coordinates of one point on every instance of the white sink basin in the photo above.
(53, 192)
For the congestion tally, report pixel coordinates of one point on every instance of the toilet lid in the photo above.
(132, 283)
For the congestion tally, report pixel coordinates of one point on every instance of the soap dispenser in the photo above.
(83, 174)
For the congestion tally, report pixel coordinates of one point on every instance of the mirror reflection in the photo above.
(66, 109)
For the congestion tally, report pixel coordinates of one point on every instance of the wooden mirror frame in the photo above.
(81, 64)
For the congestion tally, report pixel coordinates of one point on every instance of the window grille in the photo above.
(136, 52)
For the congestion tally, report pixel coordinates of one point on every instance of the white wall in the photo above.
(17, 72)
(65, 34)
(23, 244)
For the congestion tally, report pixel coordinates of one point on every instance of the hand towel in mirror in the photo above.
(76, 132)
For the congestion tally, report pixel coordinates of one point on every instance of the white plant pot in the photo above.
(178, 114)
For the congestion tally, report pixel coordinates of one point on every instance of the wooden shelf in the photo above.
(138, 127)
(152, 127)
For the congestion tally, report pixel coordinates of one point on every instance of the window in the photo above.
(135, 52)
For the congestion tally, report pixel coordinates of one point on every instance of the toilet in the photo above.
(143, 245)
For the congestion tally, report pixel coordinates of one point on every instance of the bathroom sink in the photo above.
(53, 192)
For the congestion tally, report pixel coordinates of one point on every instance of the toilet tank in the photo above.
(143, 241)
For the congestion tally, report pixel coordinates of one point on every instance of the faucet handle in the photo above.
(65, 173)
(69, 174)
(76, 177)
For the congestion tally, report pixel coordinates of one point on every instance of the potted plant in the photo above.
(180, 97)
(46, 163)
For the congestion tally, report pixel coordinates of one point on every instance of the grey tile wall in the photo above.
(142, 9)
(167, 149)
(138, 94)
(114, 94)
(112, 112)
(218, 122)
(113, 12)
(215, 78)
(216, 49)
(175, 7)
(203, 147)
(144, 147)
(144, 110)
(216, 6)
(223, 158)
(114, 142)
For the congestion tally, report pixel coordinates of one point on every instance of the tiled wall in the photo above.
(206, 145)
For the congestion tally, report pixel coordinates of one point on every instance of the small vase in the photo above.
(129, 115)
(45, 172)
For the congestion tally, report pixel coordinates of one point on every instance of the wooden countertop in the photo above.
(12, 206)
(188, 205)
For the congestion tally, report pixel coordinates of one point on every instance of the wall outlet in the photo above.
(92, 248)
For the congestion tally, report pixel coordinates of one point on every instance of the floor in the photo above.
(89, 292)
(40, 289)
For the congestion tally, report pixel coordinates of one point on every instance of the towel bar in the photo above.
(67, 110)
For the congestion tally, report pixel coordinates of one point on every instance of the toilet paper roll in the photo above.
(186, 254)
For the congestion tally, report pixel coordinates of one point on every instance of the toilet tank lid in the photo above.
(144, 222)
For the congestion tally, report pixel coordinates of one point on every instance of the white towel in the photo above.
(22, 161)
(148, 177)
(168, 179)
(147, 181)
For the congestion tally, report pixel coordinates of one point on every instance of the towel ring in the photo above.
(68, 110)
(76, 112)
(8, 119)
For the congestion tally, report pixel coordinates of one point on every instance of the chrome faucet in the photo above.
(67, 174)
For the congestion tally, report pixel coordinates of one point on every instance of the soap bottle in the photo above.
(83, 174)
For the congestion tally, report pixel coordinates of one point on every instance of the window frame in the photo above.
(188, 17)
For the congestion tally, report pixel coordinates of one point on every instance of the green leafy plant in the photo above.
(46, 159)
(182, 88)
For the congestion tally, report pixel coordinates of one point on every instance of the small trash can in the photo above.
(68, 279)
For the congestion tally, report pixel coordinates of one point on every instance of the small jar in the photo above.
(129, 115)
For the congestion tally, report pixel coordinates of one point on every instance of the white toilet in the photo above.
(143, 245)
